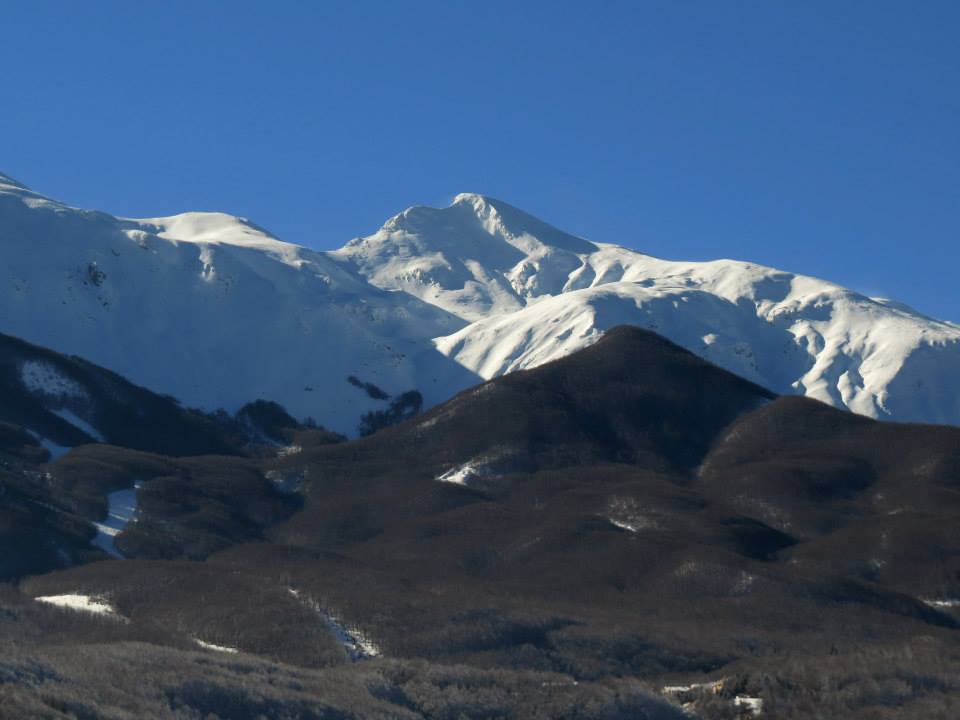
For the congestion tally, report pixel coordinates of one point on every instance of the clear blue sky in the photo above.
(816, 136)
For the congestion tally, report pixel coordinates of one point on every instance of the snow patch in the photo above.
(752, 705)
(356, 643)
(946, 603)
(287, 481)
(121, 511)
(79, 422)
(82, 603)
(689, 694)
(469, 472)
(43, 378)
(56, 451)
(714, 686)
(216, 648)
(626, 514)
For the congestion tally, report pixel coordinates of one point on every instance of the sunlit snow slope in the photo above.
(533, 293)
(217, 312)
(212, 310)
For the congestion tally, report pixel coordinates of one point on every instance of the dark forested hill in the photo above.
(66, 401)
(568, 541)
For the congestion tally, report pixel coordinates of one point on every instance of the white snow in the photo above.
(817, 339)
(122, 510)
(943, 603)
(289, 450)
(216, 648)
(627, 514)
(491, 464)
(45, 379)
(746, 704)
(213, 310)
(77, 421)
(714, 686)
(751, 704)
(217, 312)
(357, 644)
(465, 474)
(288, 481)
(83, 603)
(533, 294)
(56, 451)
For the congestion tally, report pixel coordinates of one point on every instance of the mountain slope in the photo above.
(65, 401)
(634, 397)
(534, 293)
(474, 258)
(211, 309)
(215, 311)
(629, 513)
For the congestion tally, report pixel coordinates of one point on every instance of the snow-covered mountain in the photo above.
(533, 294)
(213, 310)
(217, 312)
(476, 258)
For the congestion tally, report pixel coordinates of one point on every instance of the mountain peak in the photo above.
(214, 228)
(482, 218)
(475, 257)
(474, 204)
(488, 208)
(469, 198)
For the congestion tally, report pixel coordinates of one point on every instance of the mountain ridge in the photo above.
(210, 309)
(788, 332)
(218, 312)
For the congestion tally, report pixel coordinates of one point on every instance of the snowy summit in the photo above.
(533, 293)
(215, 311)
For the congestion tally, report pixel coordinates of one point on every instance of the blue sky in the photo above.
(819, 137)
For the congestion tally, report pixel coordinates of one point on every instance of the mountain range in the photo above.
(588, 483)
(216, 312)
